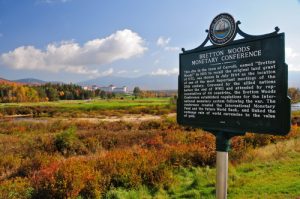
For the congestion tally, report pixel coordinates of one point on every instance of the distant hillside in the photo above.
(161, 82)
(31, 81)
(146, 82)
(5, 81)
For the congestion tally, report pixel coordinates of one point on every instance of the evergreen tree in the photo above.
(137, 91)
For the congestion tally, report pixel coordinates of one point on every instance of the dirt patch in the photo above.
(126, 118)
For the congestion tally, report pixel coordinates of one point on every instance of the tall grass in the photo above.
(70, 159)
(266, 172)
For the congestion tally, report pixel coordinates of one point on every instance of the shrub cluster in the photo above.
(62, 159)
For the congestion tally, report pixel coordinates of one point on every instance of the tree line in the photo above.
(46, 92)
(137, 92)
(13, 92)
(294, 93)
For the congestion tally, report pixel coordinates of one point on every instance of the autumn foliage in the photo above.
(13, 92)
(63, 159)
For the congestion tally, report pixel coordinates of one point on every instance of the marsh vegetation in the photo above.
(60, 155)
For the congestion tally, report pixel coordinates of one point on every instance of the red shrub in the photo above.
(66, 179)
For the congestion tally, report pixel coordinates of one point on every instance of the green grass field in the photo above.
(78, 108)
(271, 172)
(94, 104)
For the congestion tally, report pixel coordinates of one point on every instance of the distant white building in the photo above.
(114, 89)
(111, 88)
(87, 88)
(120, 90)
(95, 87)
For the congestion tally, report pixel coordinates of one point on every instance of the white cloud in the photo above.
(170, 48)
(122, 71)
(107, 72)
(293, 67)
(81, 70)
(70, 56)
(293, 59)
(136, 71)
(161, 41)
(290, 53)
(165, 72)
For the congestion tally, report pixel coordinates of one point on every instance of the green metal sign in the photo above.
(235, 85)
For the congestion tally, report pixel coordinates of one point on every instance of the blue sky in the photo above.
(76, 40)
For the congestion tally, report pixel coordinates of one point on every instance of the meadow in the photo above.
(96, 107)
(58, 158)
(123, 102)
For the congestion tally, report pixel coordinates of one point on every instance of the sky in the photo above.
(77, 40)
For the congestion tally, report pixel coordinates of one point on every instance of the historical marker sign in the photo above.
(235, 86)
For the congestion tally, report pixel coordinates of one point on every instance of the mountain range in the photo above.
(31, 81)
(146, 82)
(5, 81)
(34, 81)
(161, 82)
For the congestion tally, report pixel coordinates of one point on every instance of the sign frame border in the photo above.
(247, 38)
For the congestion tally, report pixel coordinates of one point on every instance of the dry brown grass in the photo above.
(275, 151)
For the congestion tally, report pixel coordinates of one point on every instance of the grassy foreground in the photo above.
(149, 159)
(77, 159)
(267, 172)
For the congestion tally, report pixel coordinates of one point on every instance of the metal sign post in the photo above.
(222, 174)
(222, 148)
